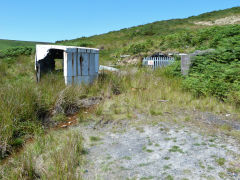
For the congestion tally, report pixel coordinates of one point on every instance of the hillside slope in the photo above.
(148, 38)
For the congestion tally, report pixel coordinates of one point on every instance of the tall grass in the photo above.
(57, 155)
(145, 90)
(23, 102)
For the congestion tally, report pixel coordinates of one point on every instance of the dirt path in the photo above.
(160, 151)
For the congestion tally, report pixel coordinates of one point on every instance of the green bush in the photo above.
(85, 44)
(16, 51)
(218, 73)
(200, 39)
(137, 48)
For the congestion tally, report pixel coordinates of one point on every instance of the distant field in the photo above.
(4, 44)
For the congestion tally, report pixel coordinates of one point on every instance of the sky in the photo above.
(52, 20)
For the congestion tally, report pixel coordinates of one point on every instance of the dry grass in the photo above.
(161, 99)
(153, 93)
(57, 155)
(54, 156)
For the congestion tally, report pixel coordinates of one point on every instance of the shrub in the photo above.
(16, 51)
(137, 48)
(217, 74)
(85, 44)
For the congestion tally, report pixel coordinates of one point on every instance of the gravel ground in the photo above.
(163, 151)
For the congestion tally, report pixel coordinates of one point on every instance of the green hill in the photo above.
(150, 37)
(5, 44)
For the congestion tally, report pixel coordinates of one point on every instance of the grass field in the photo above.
(5, 44)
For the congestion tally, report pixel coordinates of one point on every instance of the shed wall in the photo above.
(80, 66)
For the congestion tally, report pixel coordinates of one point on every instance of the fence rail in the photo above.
(155, 62)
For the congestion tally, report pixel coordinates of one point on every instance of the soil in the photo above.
(162, 150)
(222, 21)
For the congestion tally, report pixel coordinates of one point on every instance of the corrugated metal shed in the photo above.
(80, 64)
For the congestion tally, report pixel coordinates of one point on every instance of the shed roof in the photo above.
(43, 49)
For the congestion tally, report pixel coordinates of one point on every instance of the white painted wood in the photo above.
(42, 50)
(65, 65)
(69, 64)
(78, 73)
(85, 64)
(74, 64)
(74, 71)
(96, 62)
(92, 64)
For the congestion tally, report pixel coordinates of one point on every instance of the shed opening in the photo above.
(78, 64)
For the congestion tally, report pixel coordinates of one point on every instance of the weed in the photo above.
(140, 129)
(169, 177)
(124, 168)
(200, 163)
(144, 164)
(59, 118)
(166, 158)
(150, 143)
(165, 167)
(210, 168)
(187, 171)
(175, 149)
(222, 175)
(197, 144)
(99, 110)
(149, 150)
(127, 158)
(212, 145)
(146, 178)
(233, 170)
(187, 119)
(220, 161)
(106, 167)
(95, 138)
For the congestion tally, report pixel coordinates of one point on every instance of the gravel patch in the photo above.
(163, 151)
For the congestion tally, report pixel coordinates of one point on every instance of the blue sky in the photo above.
(51, 20)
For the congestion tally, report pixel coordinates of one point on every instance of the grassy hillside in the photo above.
(148, 38)
(5, 44)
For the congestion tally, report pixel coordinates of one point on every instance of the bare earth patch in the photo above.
(222, 21)
(161, 151)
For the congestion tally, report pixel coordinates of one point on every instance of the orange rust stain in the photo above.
(17, 151)
(71, 121)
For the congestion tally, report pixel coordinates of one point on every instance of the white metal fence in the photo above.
(155, 62)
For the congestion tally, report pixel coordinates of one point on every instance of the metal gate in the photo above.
(155, 62)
